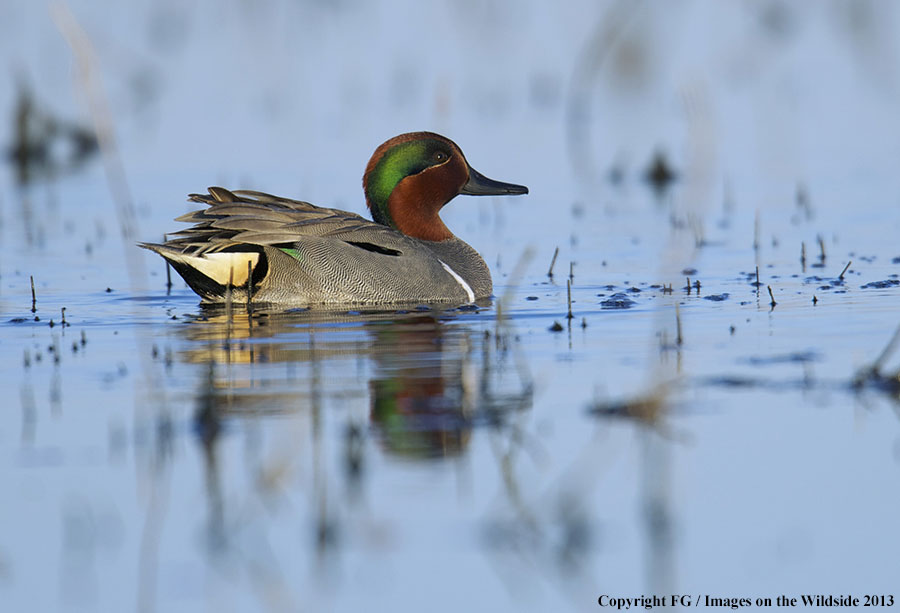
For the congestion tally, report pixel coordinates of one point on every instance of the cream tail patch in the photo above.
(219, 266)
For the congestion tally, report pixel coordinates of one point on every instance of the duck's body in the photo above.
(294, 253)
(302, 254)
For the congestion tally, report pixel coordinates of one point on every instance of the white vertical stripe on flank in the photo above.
(459, 280)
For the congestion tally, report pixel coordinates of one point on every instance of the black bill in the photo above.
(480, 185)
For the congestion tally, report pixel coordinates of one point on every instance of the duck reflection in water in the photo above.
(303, 385)
(431, 377)
(421, 398)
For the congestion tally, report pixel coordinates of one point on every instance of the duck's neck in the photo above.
(414, 209)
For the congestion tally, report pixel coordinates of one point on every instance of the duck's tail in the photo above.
(210, 274)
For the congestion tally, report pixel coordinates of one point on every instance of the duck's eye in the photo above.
(439, 156)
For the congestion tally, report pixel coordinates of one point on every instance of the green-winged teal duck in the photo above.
(294, 253)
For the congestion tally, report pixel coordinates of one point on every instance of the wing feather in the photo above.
(246, 217)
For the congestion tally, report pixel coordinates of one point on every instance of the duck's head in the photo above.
(412, 176)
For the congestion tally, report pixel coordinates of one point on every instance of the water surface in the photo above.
(160, 455)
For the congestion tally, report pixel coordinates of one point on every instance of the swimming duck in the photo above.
(291, 252)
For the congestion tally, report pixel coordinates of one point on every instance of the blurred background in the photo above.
(160, 456)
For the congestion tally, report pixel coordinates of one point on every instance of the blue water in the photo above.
(161, 456)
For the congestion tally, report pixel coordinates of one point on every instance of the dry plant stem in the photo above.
(502, 325)
(841, 276)
(610, 29)
(87, 71)
(228, 295)
(249, 282)
(887, 351)
(514, 278)
(33, 299)
(168, 271)
(569, 297)
(756, 232)
(771, 295)
(679, 339)
(125, 213)
(117, 184)
(821, 248)
(553, 262)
